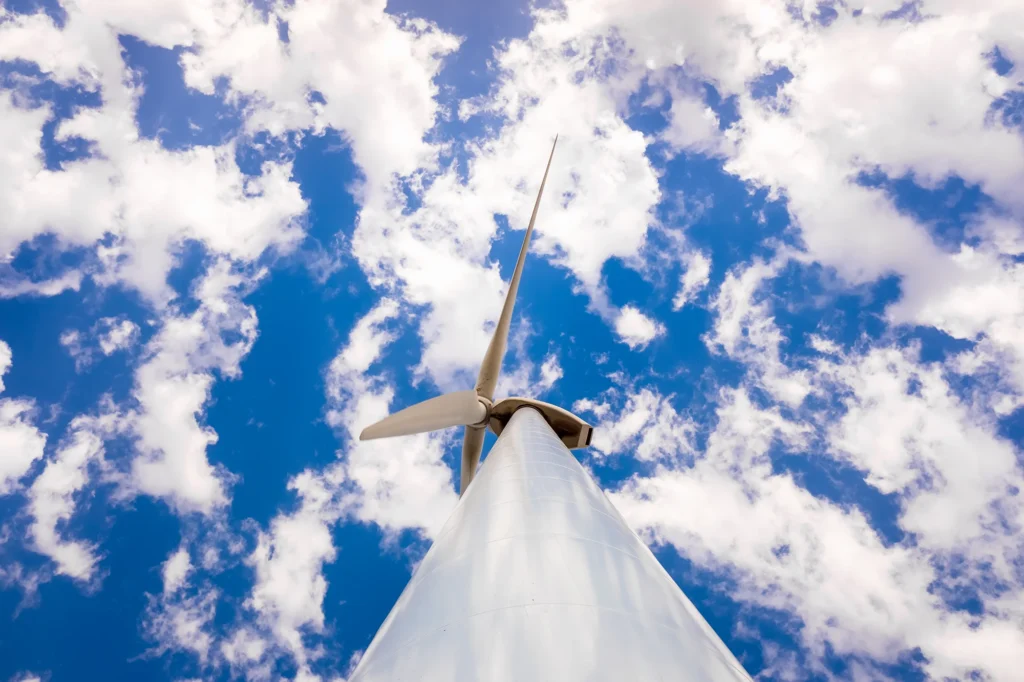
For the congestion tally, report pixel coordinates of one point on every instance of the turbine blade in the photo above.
(452, 409)
(491, 366)
(472, 446)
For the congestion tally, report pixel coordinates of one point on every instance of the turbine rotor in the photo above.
(474, 409)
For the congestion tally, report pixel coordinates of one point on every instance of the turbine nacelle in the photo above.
(465, 408)
(474, 409)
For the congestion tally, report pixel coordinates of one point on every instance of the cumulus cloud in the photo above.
(343, 52)
(910, 433)
(6, 360)
(288, 563)
(124, 203)
(26, 677)
(13, 285)
(108, 335)
(868, 92)
(696, 275)
(72, 341)
(786, 549)
(745, 329)
(864, 96)
(598, 202)
(172, 387)
(245, 653)
(520, 375)
(646, 425)
(176, 570)
(21, 442)
(635, 329)
(125, 199)
(181, 617)
(52, 496)
(396, 483)
(182, 622)
(692, 125)
(116, 334)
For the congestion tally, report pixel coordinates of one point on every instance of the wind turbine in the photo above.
(535, 575)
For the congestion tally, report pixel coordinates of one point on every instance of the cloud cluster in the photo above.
(108, 336)
(127, 207)
(827, 106)
(853, 592)
(134, 202)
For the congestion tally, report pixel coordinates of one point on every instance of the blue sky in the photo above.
(778, 266)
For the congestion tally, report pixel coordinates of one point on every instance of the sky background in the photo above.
(779, 265)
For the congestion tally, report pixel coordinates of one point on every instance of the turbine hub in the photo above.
(488, 405)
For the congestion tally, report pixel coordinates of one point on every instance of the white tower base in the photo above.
(537, 577)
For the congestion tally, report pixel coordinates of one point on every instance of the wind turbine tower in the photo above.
(535, 576)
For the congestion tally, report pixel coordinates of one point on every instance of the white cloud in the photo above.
(21, 443)
(744, 329)
(132, 188)
(181, 617)
(13, 285)
(550, 372)
(823, 345)
(520, 375)
(176, 570)
(6, 360)
(172, 387)
(116, 334)
(526, 379)
(728, 42)
(366, 342)
(288, 562)
(598, 202)
(839, 115)
(72, 341)
(108, 335)
(432, 257)
(245, 652)
(635, 329)
(740, 319)
(182, 622)
(130, 191)
(695, 277)
(52, 494)
(874, 95)
(866, 94)
(787, 549)
(603, 187)
(350, 51)
(397, 483)
(692, 124)
(645, 424)
(985, 304)
(910, 434)
(588, 405)
(26, 677)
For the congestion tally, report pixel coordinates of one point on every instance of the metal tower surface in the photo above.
(536, 576)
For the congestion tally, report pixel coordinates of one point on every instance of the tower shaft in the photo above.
(536, 576)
